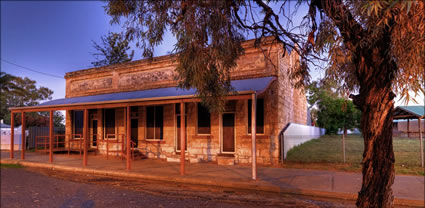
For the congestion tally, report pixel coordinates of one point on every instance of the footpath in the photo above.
(408, 190)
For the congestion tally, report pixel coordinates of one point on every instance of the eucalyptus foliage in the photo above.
(112, 51)
(372, 49)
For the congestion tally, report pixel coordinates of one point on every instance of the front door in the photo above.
(134, 131)
(228, 143)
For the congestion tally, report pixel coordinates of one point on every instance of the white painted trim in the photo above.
(104, 123)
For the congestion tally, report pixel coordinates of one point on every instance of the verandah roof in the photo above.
(409, 112)
(244, 86)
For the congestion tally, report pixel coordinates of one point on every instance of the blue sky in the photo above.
(55, 37)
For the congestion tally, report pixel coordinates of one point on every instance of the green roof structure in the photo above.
(409, 112)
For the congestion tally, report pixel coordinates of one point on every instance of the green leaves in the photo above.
(331, 111)
(208, 40)
(18, 92)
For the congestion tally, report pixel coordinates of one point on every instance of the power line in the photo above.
(26, 68)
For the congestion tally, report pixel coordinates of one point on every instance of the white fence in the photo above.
(5, 138)
(295, 134)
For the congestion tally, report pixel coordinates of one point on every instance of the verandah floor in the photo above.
(298, 180)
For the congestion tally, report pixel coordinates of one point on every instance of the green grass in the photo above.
(2, 165)
(326, 153)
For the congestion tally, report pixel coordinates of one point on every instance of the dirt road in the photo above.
(23, 187)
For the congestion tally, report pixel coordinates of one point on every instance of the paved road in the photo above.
(46, 188)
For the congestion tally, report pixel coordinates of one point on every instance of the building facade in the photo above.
(210, 137)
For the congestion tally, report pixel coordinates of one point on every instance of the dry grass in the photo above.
(4, 165)
(326, 153)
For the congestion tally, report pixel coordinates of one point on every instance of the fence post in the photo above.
(12, 134)
(421, 142)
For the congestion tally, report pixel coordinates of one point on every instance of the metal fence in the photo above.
(36, 131)
(295, 134)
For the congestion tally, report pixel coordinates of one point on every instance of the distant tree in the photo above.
(333, 112)
(336, 114)
(113, 50)
(374, 48)
(23, 92)
(7, 84)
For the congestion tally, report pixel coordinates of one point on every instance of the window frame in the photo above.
(154, 122)
(105, 136)
(197, 121)
(73, 125)
(248, 108)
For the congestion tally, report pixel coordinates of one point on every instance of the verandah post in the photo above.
(51, 137)
(253, 133)
(85, 135)
(408, 128)
(12, 134)
(182, 137)
(128, 138)
(23, 146)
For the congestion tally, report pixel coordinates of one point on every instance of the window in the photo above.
(78, 123)
(154, 122)
(204, 120)
(110, 123)
(260, 116)
(134, 112)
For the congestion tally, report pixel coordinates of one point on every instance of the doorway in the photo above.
(94, 133)
(228, 137)
(134, 131)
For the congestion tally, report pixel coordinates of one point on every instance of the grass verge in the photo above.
(3, 165)
(326, 153)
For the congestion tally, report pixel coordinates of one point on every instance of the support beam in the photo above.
(23, 146)
(408, 128)
(85, 136)
(421, 142)
(124, 103)
(128, 138)
(182, 137)
(12, 134)
(253, 133)
(51, 130)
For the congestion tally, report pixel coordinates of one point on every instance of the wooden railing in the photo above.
(75, 138)
(44, 141)
(120, 144)
(60, 143)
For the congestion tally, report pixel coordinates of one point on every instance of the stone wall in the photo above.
(159, 72)
(282, 103)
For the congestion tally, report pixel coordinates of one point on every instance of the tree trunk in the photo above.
(377, 105)
(375, 72)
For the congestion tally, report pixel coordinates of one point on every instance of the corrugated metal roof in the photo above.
(406, 111)
(257, 84)
(2, 125)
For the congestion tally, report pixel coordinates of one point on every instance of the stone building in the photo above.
(148, 90)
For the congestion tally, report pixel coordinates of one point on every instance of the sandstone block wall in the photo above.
(282, 104)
